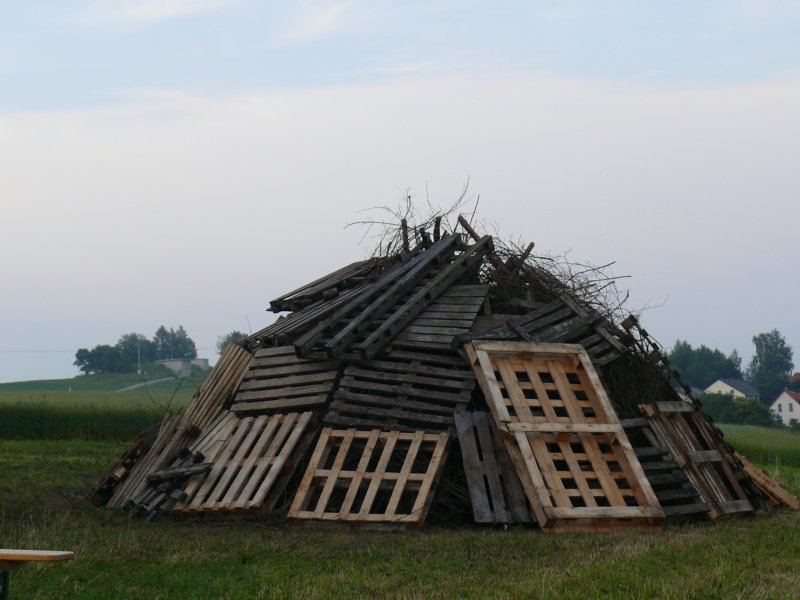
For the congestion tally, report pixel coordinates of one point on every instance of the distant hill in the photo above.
(104, 382)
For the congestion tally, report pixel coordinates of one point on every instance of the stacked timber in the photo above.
(391, 376)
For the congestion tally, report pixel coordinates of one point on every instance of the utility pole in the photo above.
(138, 356)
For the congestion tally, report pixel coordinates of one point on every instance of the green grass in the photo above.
(92, 414)
(118, 557)
(769, 446)
(108, 382)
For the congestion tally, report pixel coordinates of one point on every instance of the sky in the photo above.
(182, 162)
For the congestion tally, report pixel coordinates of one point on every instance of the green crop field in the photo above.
(89, 407)
(43, 484)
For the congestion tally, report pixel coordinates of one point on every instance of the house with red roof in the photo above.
(787, 406)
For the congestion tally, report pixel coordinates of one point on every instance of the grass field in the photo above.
(43, 484)
(49, 410)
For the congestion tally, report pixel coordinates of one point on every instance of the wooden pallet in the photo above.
(251, 461)
(371, 477)
(366, 324)
(776, 494)
(119, 472)
(561, 321)
(179, 432)
(679, 499)
(277, 380)
(494, 487)
(326, 287)
(452, 314)
(681, 428)
(406, 391)
(573, 458)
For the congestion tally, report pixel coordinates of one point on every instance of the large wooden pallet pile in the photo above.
(389, 375)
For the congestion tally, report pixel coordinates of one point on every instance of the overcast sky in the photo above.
(182, 162)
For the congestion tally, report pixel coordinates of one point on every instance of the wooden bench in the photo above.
(11, 560)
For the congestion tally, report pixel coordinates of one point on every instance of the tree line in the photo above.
(768, 371)
(133, 349)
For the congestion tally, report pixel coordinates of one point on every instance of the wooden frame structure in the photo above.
(573, 458)
(371, 477)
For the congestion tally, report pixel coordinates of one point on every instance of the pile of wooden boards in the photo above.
(389, 376)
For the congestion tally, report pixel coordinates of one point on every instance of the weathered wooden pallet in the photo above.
(682, 429)
(366, 324)
(404, 390)
(561, 321)
(287, 328)
(119, 472)
(277, 380)
(251, 461)
(326, 287)
(178, 432)
(573, 458)
(776, 494)
(371, 477)
(494, 487)
(679, 499)
(450, 315)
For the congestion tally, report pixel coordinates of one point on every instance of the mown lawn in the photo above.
(43, 481)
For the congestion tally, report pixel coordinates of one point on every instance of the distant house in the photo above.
(695, 391)
(787, 406)
(733, 387)
(794, 378)
(182, 367)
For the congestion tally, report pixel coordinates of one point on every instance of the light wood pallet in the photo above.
(277, 380)
(405, 390)
(251, 461)
(371, 477)
(494, 487)
(573, 458)
(686, 433)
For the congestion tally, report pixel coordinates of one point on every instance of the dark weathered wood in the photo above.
(495, 491)
(177, 473)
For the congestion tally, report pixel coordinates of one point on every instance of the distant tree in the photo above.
(101, 359)
(771, 364)
(703, 366)
(83, 360)
(174, 343)
(233, 336)
(725, 408)
(133, 346)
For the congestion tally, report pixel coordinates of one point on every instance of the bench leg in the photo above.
(4, 581)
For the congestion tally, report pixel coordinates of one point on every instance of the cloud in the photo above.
(314, 21)
(147, 11)
(178, 209)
